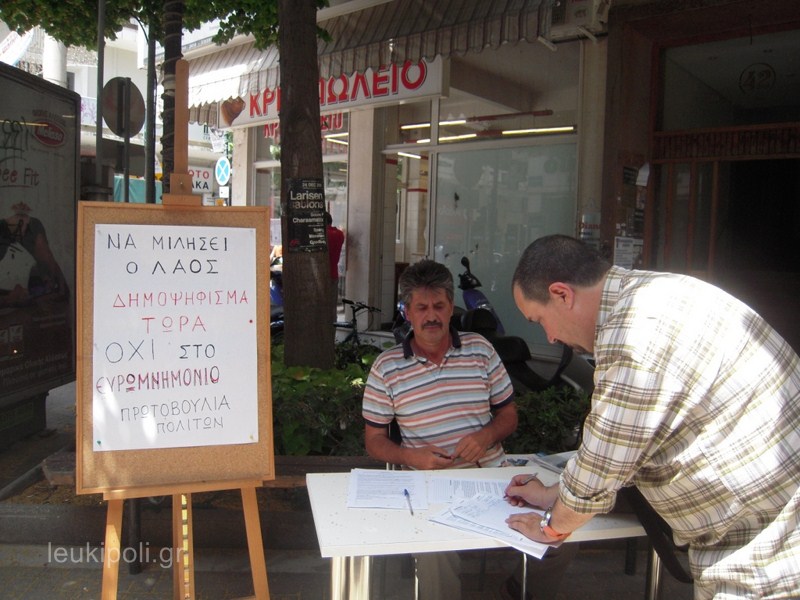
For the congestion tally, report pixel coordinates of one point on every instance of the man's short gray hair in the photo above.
(425, 274)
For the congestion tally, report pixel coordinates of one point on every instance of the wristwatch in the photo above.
(544, 525)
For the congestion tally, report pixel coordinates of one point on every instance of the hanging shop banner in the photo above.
(305, 210)
(385, 85)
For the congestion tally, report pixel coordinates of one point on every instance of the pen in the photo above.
(408, 501)
(525, 481)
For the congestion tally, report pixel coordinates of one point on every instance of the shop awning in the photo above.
(391, 32)
(218, 76)
(413, 29)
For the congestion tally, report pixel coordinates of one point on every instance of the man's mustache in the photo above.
(432, 324)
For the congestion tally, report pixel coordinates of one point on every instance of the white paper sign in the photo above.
(175, 337)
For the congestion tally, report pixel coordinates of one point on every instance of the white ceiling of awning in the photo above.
(218, 76)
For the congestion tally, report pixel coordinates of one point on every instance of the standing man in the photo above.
(335, 239)
(450, 396)
(696, 402)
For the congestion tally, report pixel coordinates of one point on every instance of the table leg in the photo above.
(359, 577)
(350, 577)
(653, 581)
(339, 577)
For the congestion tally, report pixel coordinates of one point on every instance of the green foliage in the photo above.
(74, 22)
(549, 421)
(258, 18)
(318, 411)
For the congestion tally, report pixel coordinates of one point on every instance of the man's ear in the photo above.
(561, 293)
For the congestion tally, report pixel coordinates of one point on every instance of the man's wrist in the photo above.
(548, 530)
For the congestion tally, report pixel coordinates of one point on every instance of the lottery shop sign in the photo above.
(385, 85)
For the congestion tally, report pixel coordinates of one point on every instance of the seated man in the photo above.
(450, 396)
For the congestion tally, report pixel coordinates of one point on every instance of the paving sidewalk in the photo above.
(65, 573)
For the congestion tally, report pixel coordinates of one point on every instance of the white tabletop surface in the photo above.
(343, 531)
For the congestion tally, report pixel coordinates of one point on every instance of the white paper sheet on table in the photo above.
(450, 489)
(376, 488)
(487, 514)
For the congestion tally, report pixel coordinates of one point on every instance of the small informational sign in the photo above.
(175, 340)
(305, 216)
(123, 106)
(222, 170)
(628, 252)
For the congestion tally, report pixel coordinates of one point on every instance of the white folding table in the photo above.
(351, 536)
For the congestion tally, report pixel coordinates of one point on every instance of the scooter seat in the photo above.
(480, 320)
(511, 349)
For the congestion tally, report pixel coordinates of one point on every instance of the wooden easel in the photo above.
(182, 538)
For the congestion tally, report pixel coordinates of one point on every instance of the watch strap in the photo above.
(544, 525)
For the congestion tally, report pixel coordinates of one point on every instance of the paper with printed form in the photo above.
(376, 488)
(443, 488)
(487, 514)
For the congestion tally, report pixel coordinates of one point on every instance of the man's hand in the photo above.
(528, 490)
(431, 457)
(472, 447)
(528, 524)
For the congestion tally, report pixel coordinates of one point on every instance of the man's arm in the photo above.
(504, 422)
(380, 447)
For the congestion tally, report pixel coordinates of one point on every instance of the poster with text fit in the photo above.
(174, 356)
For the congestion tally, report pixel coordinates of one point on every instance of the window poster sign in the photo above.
(39, 186)
(174, 360)
(305, 211)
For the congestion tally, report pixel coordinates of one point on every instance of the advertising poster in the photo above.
(305, 216)
(175, 339)
(39, 186)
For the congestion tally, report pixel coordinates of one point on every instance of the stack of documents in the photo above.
(475, 505)
(487, 514)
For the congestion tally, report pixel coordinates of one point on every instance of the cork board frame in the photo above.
(143, 472)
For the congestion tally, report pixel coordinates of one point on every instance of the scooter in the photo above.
(480, 317)
(276, 299)
(473, 297)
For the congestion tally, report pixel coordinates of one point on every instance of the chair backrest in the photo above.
(658, 532)
(479, 320)
(397, 438)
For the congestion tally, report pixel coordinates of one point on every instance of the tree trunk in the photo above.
(308, 304)
(173, 29)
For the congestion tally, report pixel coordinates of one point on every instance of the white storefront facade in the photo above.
(478, 136)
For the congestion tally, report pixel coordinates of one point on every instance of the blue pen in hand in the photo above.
(408, 501)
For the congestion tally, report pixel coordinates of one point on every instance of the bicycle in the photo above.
(356, 308)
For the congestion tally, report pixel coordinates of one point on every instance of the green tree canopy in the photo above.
(74, 22)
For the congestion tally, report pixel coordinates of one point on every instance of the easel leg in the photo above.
(182, 547)
(111, 554)
(258, 565)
